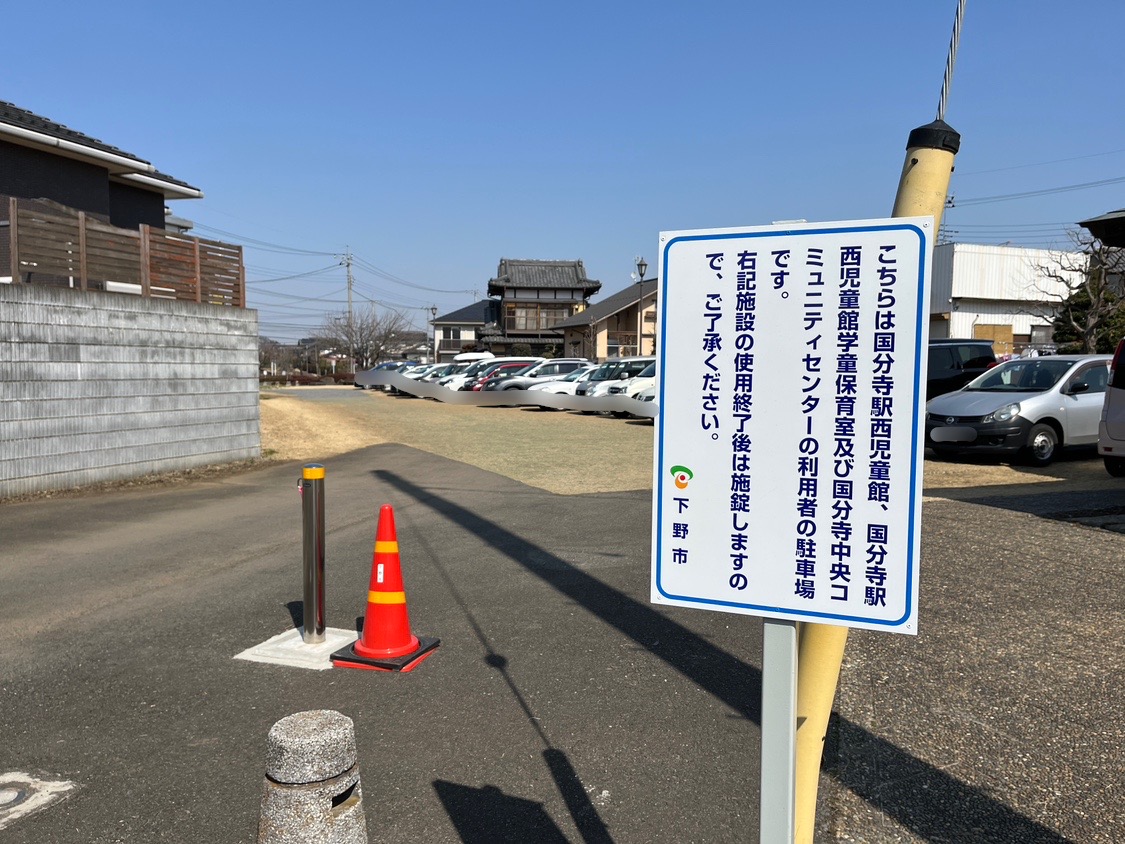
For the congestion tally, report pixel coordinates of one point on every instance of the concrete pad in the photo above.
(289, 648)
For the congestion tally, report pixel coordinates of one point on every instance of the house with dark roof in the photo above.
(80, 213)
(459, 331)
(42, 159)
(534, 297)
(611, 327)
(118, 325)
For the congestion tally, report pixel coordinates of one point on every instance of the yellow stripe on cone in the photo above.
(386, 597)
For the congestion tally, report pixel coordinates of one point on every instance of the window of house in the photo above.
(529, 317)
(553, 314)
(521, 317)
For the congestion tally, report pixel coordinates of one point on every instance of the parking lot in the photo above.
(561, 701)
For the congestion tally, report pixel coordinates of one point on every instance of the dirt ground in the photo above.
(298, 430)
(293, 429)
(562, 452)
(565, 453)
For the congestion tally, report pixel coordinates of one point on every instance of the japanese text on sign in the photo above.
(788, 455)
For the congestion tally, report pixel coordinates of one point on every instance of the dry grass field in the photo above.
(563, 452)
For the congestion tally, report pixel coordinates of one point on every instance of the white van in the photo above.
(1111, 428)
(472, 356)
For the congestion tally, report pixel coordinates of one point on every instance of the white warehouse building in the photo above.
(995, 293)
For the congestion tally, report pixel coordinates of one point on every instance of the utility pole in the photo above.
(433, 316)
(351, 324)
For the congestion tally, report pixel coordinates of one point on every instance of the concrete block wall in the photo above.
(102, 387)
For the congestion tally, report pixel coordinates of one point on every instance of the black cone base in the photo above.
(346, 657)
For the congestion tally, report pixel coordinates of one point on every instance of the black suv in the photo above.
(954, 363)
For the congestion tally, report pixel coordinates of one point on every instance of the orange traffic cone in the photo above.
(386, 643)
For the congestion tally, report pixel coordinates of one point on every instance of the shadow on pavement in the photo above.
(296, 612)
(919, 796)
(585, 816)
(487, 815)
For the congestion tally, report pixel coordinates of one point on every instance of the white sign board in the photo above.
(788, 465)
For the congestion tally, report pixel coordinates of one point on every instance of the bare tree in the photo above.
(1082, 292)
(585, 344)
(271, 353)
(367, 337)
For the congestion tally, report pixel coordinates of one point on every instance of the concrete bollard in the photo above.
(312, 793)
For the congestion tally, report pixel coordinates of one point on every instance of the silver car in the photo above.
(1030, 407)
(549, 370)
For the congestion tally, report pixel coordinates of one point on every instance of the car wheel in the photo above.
(1042, 444)
(1115, 466)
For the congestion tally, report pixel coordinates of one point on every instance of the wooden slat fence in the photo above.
(51, 244)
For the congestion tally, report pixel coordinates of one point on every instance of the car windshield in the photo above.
(1034, 375)
(606, 371)
(649, 371)
(575, 375)
(510, 370)
(479, 366)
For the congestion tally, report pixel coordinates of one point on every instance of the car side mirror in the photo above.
(1080, 387)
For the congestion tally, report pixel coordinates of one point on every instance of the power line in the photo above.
(381, 273)
(290, 277)
(1008, 197)
(262, 244)
(1040, 163)
(345, 256)
(294, 298)
(1013, 226)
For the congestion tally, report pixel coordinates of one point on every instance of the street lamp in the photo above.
(642, 266)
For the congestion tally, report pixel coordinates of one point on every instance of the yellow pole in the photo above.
(820, 651)
(922, 189)
(924, 182)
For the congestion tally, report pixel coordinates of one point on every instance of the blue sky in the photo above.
(434, 139)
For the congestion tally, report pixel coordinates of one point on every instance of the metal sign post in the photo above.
(779, 719)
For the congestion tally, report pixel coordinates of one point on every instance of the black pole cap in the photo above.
(936, 135)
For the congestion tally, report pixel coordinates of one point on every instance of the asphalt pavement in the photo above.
(561, 705)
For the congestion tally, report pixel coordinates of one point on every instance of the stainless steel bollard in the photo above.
(312, 506)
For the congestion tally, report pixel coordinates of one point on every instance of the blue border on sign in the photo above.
(919, 359)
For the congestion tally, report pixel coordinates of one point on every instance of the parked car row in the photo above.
(611, 373)
(1028, 408)
(628, 376)
(551, 369)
